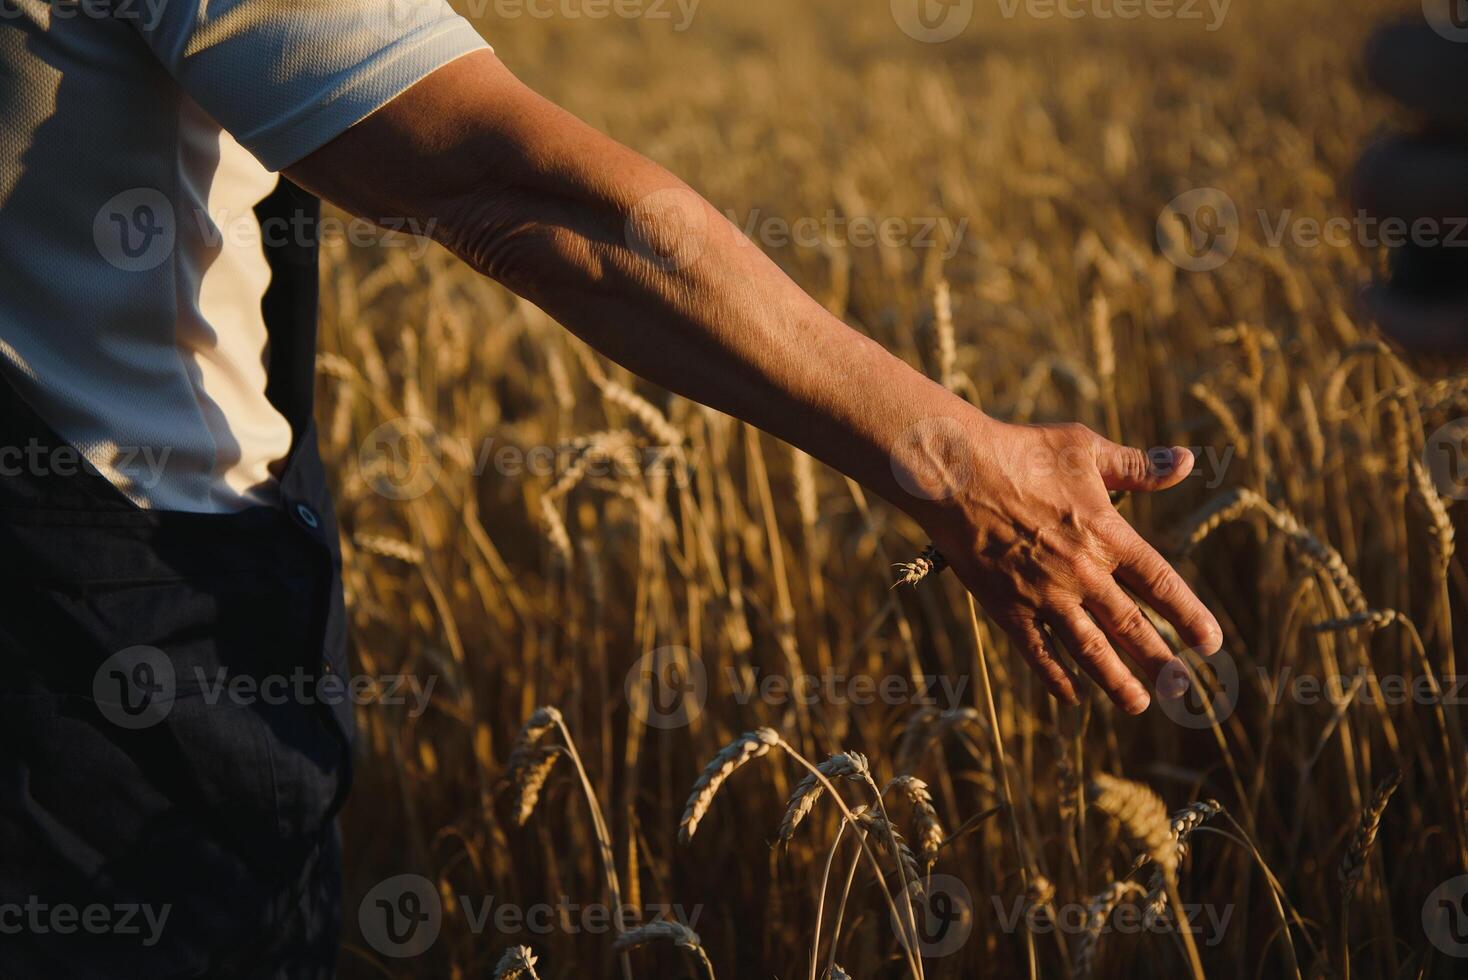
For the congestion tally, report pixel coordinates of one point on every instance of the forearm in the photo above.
(634, 262)
(705, 313)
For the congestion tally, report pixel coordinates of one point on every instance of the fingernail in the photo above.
(1138, 703)
(1162, 461)
(1173, 683)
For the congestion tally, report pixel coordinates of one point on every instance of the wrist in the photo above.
(939, 462)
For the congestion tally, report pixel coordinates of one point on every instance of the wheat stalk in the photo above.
(849, 765)
(1437, 514)
(943, 326)
(376, 544)
(1141, 814)
(666, 931)
(1241, 500)
(744, 749)
(1098, 910)
(1371, 618)
(1363, 842)
(925, 817)
(530, 779)
(891, 842)
(930, 562)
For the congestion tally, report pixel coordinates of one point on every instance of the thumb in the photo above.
(1125, 468)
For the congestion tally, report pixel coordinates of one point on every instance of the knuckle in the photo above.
(1133, 624)
(1076, 432)
(1167, 587)
(1095, 650)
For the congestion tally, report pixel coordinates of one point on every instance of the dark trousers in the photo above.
(174, 740)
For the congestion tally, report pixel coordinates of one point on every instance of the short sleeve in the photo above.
(285, 77)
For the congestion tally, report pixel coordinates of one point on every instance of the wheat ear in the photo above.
(530, 780)
(930, 562)
(925, 817)
(1098, 910)
(1143, 816)
(851, 765)
(744, 749)
(518, 963)
(666, 931)
(1353, 865)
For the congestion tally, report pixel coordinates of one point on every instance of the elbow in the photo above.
(524, 247)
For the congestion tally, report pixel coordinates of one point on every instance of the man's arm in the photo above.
(637, 265)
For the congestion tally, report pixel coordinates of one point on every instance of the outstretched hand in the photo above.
(1024, 516)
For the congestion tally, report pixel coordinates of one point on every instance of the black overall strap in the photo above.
(290, 222)
(289, 219)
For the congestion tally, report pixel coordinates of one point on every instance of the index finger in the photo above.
(1149, 575)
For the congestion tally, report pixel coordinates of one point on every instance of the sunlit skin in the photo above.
(636, 264)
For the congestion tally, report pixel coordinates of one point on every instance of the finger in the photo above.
(1420, 68)
(1128, 627)
(1091, 650)
(1057, 678)
(1125, 468)
(1147, 574)
(1421, 325)
(1402, 180)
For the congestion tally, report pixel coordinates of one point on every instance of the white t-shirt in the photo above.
(136, 137)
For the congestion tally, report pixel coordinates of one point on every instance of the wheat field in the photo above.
(557, 548)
